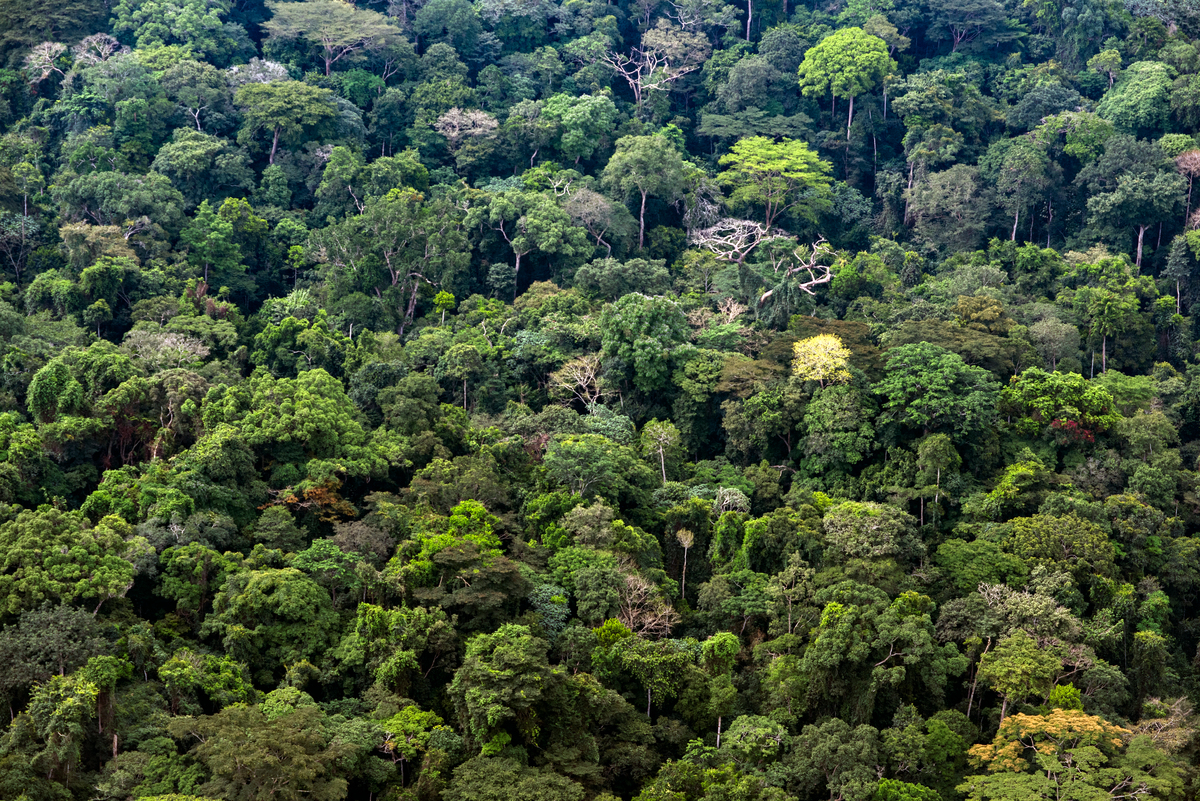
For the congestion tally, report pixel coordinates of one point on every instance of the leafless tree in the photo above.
(41, 60)
(97, 48)
(457, 124)
(163, 349)
(664, 56)
(1173, 728)
(579, 378)
(731, 499)
(731, 309)
(733, 240)
(643, 609)
(803, 260)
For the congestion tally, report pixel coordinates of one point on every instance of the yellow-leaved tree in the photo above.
(822, 358)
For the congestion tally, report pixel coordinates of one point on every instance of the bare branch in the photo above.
(733, 240)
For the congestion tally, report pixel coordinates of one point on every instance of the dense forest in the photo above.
(539, 400)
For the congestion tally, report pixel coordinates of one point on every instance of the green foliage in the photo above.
(352, 446)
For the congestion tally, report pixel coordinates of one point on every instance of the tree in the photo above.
(781, 176)
(936, 454)
(866, 530)
(288, 109)
(1139, 103)
(1038, 403)
(968, 21)
(584, 121)
(25, 25)
(1108, 64)
(835, 757)
(659, 439)
(43, 59)
(1054, 341)
(194, 24)
(52, 555)
(931, 388)
(44, 642)
(1140, 200)
(1188, 163)
(948, 208)
(644, 166)
(252, 756)
(209, 239)
(717, 655)
(489, 778)
(203, 167)
(658, 665)
(664, 56)
(1022, 179)
(846, 63)
(528, 222)
(1109, 310)
(639, 333)
(272, 618)
(503, 677)
(1066, 543)
(334, 29)
(400, 243)
(590, 465)
(1018, 668)
(822, 358)
(200, 90)
(1066, 753)
(839, 427)
(600, 217)
(134, 202)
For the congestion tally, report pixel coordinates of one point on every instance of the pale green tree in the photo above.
(779, 176)
(846, 63)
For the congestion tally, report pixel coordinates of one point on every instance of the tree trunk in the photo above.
(683, 577)
(516, 275)
(1016, 218)
(662, 459)
(719, 717)
(749, 16)
(274, 146)
(647, 702)
(1178, 306)
(849, 119)
(1141, 234)
(642, 225)
(1103, 353)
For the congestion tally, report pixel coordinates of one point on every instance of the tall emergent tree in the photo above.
(779, 176)
(287, 109)
(846, 63)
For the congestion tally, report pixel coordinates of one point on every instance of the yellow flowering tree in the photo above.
(822, 358)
